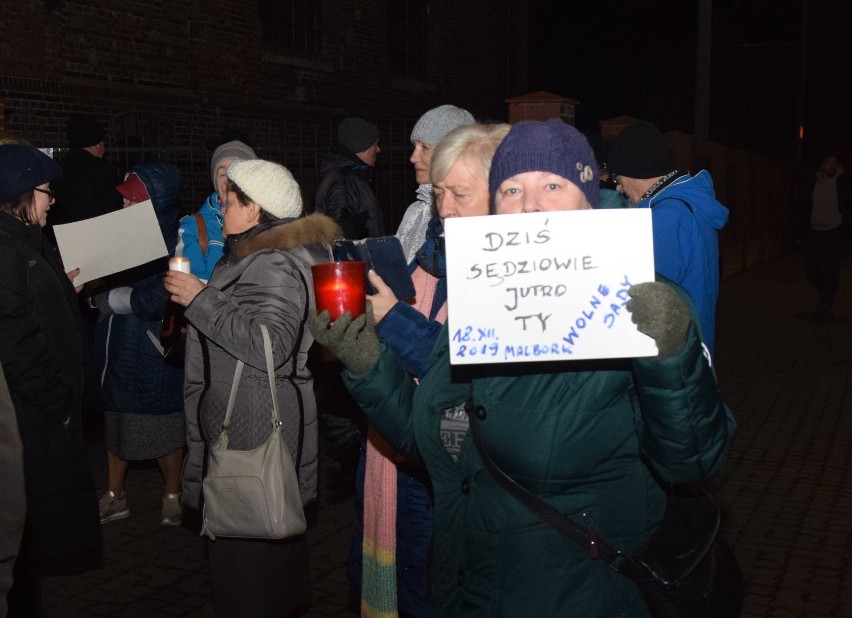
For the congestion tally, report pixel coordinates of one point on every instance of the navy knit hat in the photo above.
(357, 134)
(23, 168)
(84, 131)
(549, 146)
(640, 152)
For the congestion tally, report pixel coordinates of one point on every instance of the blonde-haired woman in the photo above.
(459, 173)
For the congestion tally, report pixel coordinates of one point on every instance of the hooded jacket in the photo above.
(264, 278)
(686, 242)
(202, 261)
(345, 195)
(591, 438)
(134, 376)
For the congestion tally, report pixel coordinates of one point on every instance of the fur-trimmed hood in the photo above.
(285, 234)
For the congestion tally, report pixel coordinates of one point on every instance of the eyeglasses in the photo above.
(47, 192)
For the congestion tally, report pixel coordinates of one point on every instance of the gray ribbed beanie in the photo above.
(269, 185)
(437, 122)
(236, 150)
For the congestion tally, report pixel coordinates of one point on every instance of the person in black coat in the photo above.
(87, 186)
(345, 193)
(822, 207)
(41, 351)
(86, 189)
(12, 493)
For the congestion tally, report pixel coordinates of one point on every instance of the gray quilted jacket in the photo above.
(264, 278)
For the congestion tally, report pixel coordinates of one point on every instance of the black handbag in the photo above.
(685, 570)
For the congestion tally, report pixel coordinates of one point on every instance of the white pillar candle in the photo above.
(181, 264)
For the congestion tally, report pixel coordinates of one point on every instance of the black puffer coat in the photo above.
(41, 351)
(134, 376)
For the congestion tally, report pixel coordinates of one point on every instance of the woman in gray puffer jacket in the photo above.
(263, 278)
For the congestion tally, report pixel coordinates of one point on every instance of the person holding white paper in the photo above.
(41, 351)
(142, 394)
(599, 440)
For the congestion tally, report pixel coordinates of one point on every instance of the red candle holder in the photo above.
(339, 287)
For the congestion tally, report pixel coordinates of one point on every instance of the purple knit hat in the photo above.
(549, 146)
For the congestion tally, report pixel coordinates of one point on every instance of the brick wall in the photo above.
(163, 76)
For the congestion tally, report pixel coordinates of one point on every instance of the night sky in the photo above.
(637, 57)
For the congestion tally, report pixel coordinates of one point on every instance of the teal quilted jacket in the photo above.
(583, 435)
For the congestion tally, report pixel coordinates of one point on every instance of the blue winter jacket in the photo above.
(686, 242)
(201, 262)
(134, 376)
(409, 333)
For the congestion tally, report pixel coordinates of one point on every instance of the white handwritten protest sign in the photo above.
(547, 286)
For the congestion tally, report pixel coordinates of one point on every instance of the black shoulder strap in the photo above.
(598, 548)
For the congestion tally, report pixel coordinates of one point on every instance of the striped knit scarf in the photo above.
(378, 581)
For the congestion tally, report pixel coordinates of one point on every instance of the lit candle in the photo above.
(180, 264)
(339, 287)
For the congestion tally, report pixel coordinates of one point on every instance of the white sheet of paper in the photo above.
(547, 286)
(110, 243)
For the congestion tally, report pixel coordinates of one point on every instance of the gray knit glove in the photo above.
(659, 312)
(353, 342)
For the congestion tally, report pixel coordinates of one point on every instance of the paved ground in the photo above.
(151, 571)
(787, 491)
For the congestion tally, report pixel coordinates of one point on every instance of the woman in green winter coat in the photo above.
(593, 438)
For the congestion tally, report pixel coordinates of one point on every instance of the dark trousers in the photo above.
(25, 595)
(260, 578)
(822, 252)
